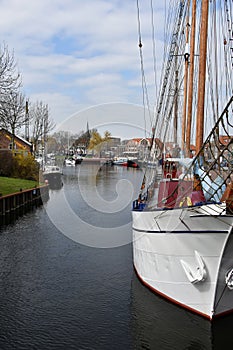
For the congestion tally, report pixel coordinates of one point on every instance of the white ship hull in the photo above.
(184, 255)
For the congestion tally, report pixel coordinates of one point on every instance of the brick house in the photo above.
(20, 144)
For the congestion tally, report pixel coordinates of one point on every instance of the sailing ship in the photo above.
(183, 216)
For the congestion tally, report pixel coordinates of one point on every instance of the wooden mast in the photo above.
(202, 76)
(191, 75)
(186, 56)
(176, 106)
(175, 123)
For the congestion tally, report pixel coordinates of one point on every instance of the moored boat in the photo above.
(69, 162)
(78, 159)
(183, 217)
(122, 161)
(132, 163)
(52, 174)
(125, 161)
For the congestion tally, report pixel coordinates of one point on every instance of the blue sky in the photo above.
(78, 55)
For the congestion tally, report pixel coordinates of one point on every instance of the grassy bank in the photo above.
(10, 185)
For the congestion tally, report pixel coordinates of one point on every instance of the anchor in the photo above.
(198, 274)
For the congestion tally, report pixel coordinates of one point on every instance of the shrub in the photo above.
(6, 163)
(25, 167)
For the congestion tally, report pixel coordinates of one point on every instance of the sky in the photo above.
(82, 59)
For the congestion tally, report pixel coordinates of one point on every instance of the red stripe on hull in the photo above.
(170, 299)
(225, 313)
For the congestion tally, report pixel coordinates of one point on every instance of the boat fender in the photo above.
(135, 204)
(186, 201)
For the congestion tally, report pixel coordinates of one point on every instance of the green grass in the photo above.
(10, 185)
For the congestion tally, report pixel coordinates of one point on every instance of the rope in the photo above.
(154, 47)
(145, 97)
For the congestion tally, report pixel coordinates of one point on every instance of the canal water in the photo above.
(67, 279)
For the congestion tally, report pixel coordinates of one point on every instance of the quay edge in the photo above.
(23, 199)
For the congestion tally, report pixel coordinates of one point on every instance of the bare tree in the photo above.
(42, 124)
(9, 78)
(11, 100)
(12, 112)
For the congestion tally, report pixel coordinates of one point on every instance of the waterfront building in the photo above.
(16, 143)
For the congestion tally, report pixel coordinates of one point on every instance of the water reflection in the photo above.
(159, 324)
(58, 294)
(94, 205)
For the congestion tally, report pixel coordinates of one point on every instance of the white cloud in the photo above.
(121, 119)
(78, 53)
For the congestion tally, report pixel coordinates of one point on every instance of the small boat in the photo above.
(53, 175)
(183, 216)
(132, 163)
(78, 159)
(123, 161)
(127, 162)
(69, 162)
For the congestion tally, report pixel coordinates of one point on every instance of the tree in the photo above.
(12, 112)
(97, 142)
(11, 100)
(6, 163)
(25, 167)
(42, 124)
(83, 139)
(107, 135)
(61, 139)
(9, 78)
(52, 145)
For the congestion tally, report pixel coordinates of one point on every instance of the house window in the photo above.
(11, 146)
